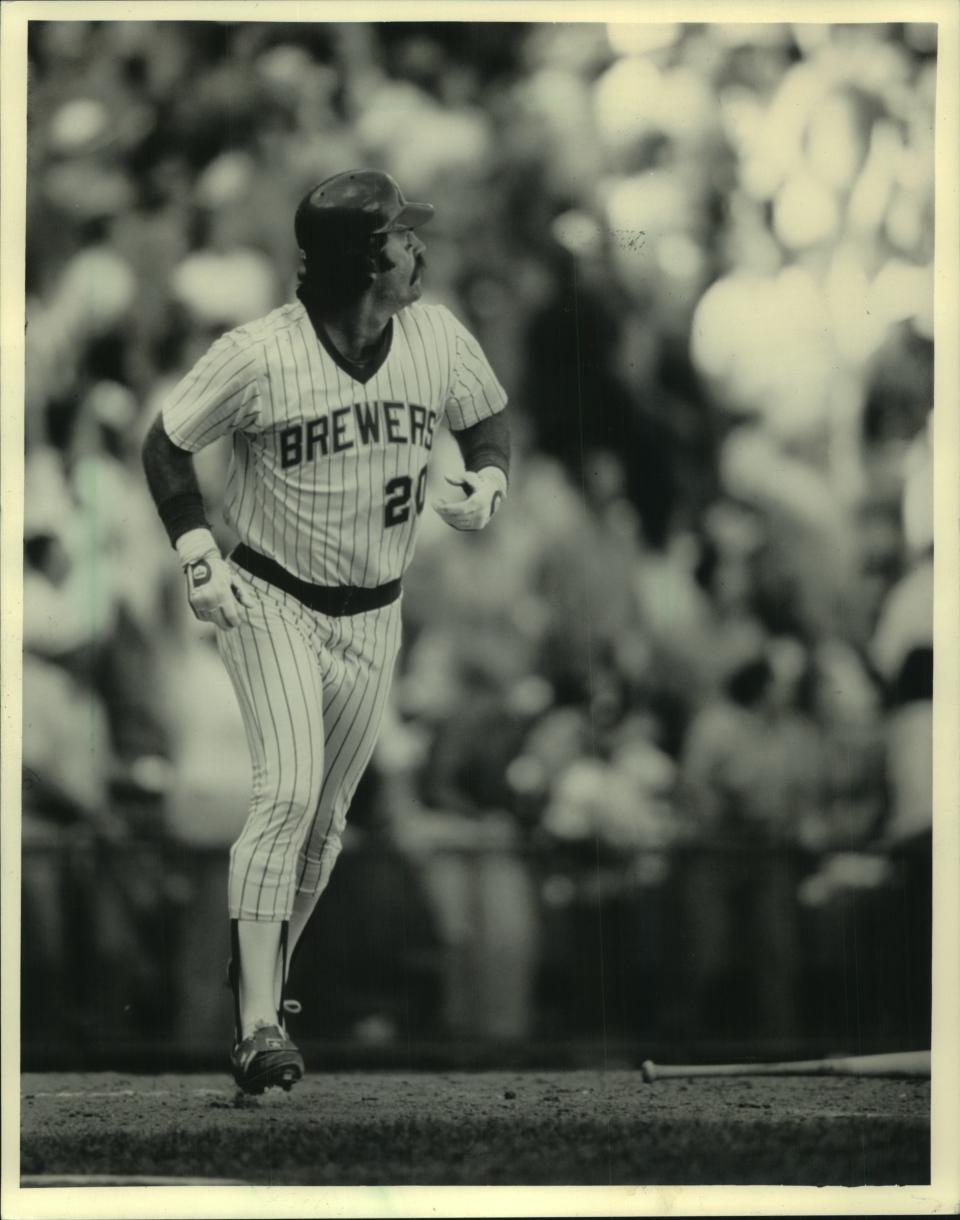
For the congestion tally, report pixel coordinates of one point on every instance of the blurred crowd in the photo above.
(699, 258)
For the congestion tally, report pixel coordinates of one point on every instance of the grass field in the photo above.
(496, 1128)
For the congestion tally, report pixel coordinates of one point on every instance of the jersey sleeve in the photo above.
(220, 394)
(473, 392)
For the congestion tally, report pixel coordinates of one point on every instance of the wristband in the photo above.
(488, 457)
(194, 544)
(182, 513)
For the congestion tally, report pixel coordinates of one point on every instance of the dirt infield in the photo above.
(496, 1128)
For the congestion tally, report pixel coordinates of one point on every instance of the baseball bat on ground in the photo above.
(901, 1063)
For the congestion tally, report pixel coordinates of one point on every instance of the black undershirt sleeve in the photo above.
(486, 443)
(173, 483)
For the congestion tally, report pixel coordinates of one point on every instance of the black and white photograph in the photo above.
(468, 619)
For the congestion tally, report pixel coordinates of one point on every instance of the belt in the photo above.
(334, 600)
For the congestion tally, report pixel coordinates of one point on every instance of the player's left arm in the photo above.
(485, 447)
(476, 413)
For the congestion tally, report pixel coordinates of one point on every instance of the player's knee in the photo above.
(277, 822)
(286, 799)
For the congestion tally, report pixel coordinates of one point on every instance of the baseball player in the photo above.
(332, 403)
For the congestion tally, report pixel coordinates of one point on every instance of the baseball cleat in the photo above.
(266, 1058)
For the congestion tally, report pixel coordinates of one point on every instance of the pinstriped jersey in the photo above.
(328, 472)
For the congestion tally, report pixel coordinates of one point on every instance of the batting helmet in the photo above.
(351, 207)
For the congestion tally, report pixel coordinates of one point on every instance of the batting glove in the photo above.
(216, 594)
(484, 490)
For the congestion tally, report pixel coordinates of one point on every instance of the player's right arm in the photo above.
(219, 395)
(215, 595)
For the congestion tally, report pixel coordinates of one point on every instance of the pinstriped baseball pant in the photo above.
(312, 691)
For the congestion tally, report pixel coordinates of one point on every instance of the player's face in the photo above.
(402, 283)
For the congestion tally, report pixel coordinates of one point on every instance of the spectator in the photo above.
(750, 767)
